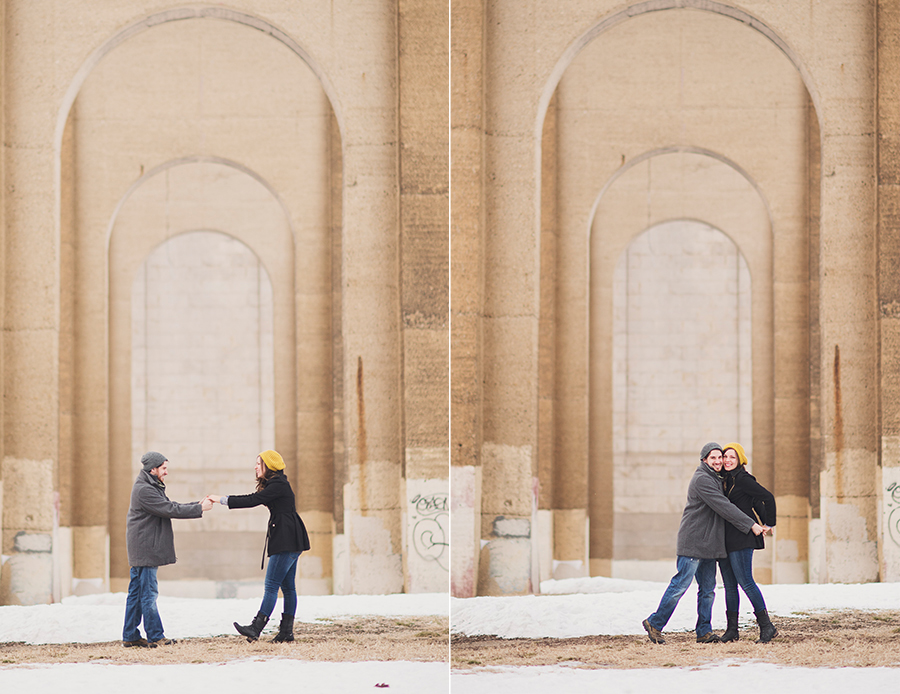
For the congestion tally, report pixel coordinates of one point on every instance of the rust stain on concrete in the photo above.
(838, 427)
(361, 447)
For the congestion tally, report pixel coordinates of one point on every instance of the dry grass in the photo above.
(369, 638)
(834, 639)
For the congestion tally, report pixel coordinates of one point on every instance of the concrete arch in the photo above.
(683, 150)
(681, 372)
(145, 220)
(182, 161)
(175, 15)
(649, 6)
(181, 14)
(715, 192)
(230, 188)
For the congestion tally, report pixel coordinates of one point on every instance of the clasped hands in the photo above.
(207, 503)
(762, 529)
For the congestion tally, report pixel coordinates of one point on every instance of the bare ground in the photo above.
(833, 639)
(369, 638)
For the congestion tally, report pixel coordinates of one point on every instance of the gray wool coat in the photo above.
(148, 528)
(701, 534)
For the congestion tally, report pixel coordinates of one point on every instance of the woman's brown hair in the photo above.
(268, 474)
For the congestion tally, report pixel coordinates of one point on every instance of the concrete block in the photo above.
(27, 579)
(30, 543)
(427, 531)
(889, 526)
(465, 520)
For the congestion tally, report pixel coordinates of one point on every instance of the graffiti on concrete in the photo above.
(894, 517)
(431, 532)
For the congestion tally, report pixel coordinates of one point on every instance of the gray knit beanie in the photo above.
(151, 460)
(709, 448)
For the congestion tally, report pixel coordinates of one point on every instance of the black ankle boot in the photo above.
(767, 630)
(252, 630)
(731, 632)
(285, 630)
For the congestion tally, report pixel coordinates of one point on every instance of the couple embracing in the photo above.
(718, 526)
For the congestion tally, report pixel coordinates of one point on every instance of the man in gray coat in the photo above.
(151, 544)
(701, 540)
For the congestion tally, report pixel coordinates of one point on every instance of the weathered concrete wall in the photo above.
(424, 216)
(204, 195)
(726, 181)
(738, 85)
(203, 390)
(681, 373)
(888, 266)
(311, 102)
(467, 229)
(29, 517)
(847, 299)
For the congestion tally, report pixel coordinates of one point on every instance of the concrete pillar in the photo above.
(424, 200)
(371, 301)
(334, 520)
(467, 297)
(3, 204)
(547, 343)
(511, 309)
(815, 568)
(847, 302)
(30, 314)
(888, 267)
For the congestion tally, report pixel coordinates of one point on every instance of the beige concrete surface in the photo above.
(577, 131)
(309, 137)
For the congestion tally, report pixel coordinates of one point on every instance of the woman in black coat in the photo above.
(756, 501)
(286, 539)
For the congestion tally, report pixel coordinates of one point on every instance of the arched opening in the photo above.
(230, 131)
(682, 373)
(202, 389)
(660, 116)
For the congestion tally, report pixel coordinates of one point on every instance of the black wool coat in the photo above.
(752, 498)
(286, 532)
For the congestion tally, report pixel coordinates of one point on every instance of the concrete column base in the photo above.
(465, 523)
(27, 577)
(426, 530)
(889, 523)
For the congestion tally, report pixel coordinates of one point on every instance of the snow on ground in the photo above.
(98, 618)
(717, 679)
(583, 607)
(274, 674)
(588, 606)
(575, 607)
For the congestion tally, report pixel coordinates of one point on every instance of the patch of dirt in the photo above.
(831, 639)
(369, 638)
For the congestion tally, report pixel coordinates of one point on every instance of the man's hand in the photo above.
(758, 529)
(212, 497)
(206, 504)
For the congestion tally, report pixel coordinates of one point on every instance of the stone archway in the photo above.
(176, 157)
(682, 373)
(612, 98)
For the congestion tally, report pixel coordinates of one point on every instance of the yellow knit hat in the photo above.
(272, 460)
(739, 449)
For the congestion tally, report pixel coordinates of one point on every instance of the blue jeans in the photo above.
(141, 604)
(737, 570)
(280, 574)
(688, 568)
